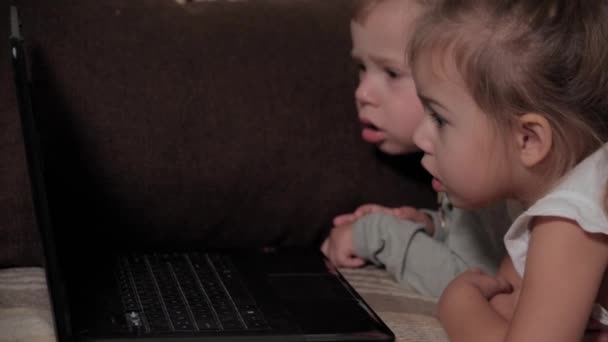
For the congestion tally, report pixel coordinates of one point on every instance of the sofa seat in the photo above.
(25, 310)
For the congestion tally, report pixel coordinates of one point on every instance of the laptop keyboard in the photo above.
(185, 293)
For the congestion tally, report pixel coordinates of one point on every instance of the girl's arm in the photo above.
(504, 303)
(465, 311)
(564, 269)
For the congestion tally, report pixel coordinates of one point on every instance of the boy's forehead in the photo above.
(390, 18)
(378, 39)
(405, 10)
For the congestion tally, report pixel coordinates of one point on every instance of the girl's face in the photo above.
(463, 150)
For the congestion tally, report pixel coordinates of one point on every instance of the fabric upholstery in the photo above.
(217, 124)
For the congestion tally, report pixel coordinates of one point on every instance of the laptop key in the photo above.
(175, 292)
(171, 293)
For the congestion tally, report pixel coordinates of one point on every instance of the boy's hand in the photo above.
(404, 213)
(339, 247)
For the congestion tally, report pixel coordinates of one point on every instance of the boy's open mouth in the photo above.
(371, 133)
(437, 185)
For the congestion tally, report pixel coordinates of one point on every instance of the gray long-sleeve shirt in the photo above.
(428, 263)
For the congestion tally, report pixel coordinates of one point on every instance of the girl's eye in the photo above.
(437, 119)
(392, 73)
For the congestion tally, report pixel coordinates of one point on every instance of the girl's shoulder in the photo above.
(579, 196)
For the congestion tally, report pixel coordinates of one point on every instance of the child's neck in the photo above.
(533, 187)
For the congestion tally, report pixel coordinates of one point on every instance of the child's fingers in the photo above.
(359, 212)
(357, 262)
(332, 255)
(409, 213)
(344, 219)
(368, 209)
(491, 286)
(337, 248)
(488, 285)
(342, 256)
(351, 261)
(405, 212)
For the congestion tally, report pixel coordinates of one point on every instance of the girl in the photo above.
(517, 97)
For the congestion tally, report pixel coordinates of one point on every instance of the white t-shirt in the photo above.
(580, 197)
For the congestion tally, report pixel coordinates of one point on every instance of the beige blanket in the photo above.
(25, 310)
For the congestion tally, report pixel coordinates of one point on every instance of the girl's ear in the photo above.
(534, 138)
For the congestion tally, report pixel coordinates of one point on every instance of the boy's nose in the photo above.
(422, 135)
(365, 91)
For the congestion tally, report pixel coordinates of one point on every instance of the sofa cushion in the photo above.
(216, 124)
(25, 312)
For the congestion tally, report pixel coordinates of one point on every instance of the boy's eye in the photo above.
(360, 67)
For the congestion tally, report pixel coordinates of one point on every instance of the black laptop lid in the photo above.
(36, 175)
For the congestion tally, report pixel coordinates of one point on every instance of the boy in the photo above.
(425, 249)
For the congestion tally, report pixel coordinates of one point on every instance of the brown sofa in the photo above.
(211, 124)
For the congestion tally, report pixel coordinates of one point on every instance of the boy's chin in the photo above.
(395, 150)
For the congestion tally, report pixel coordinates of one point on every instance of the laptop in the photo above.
(188, 295)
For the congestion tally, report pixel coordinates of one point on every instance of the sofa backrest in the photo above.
(219, 123)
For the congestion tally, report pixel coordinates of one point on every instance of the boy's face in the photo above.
(388, 107)
(462, 148)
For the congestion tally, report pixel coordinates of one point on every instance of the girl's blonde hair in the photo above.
(541, 56)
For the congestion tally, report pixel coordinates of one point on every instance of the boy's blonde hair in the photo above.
(540, 56)
(362, 8)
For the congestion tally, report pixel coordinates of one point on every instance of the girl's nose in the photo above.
(422, 135)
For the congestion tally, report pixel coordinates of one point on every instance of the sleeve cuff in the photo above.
(376, 236)
(440, 232)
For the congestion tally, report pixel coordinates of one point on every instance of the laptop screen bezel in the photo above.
(33, 152)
